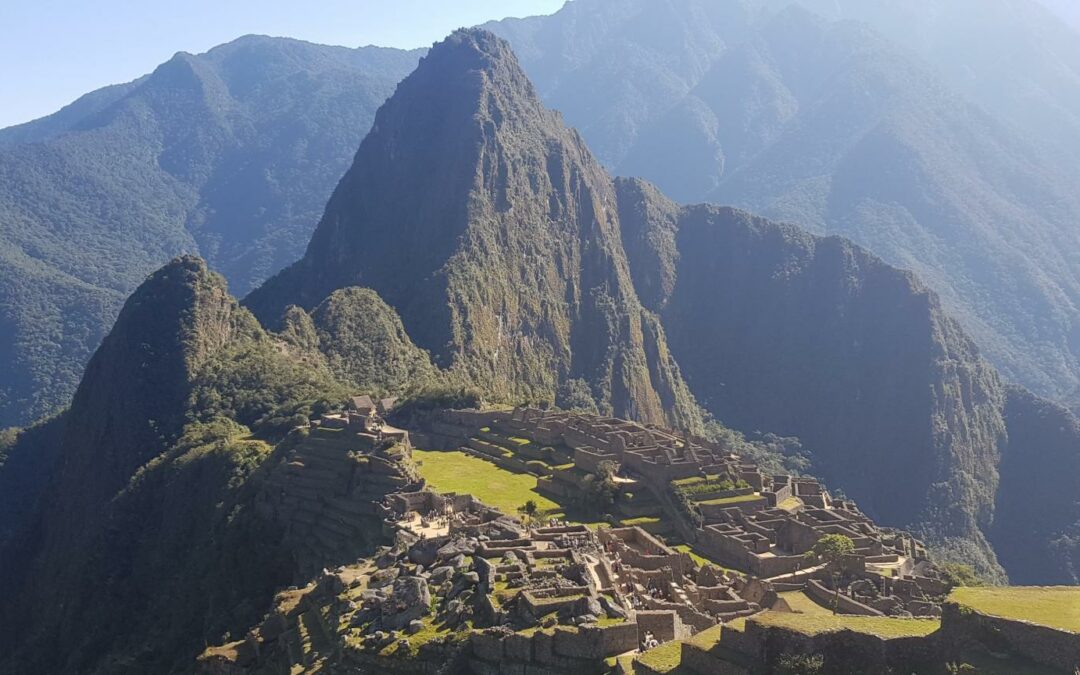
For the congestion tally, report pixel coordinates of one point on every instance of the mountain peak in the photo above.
(476, 61)
(484, 221)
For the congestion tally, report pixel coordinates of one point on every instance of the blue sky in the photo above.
(52, 51)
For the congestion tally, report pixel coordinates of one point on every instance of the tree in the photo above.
(831, 550)
(528, 511)
(959, 574)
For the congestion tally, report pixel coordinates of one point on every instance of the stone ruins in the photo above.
(698, 539)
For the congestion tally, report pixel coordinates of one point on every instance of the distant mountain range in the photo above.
(496, 254)
(949, 152)
(941, 135)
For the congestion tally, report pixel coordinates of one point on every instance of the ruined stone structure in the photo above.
(325, 491)
(467, 584)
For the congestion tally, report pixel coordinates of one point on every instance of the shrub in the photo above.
(800, 664)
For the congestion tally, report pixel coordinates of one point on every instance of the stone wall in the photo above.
(1055, 648)
(573, 651)
(846, 652)
(664, 625)
(844, 605)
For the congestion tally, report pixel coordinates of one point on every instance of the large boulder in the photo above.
(409, 600)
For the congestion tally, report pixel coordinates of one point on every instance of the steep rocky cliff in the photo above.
(777, 329)
(485, 222)
(1037, 525)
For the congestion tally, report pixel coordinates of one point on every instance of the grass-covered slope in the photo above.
(362, 341)
(1052, 606)
(230, 154)
(462, 474)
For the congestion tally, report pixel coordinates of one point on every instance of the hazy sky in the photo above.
(53, 51)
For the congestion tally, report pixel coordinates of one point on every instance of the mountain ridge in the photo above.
(230, 154)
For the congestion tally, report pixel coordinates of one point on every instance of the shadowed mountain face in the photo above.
(230, 154)
(143, 505)
(777, 329)
(486, 223)
(947, 151)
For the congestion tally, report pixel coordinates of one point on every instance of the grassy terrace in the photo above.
(455, 471)
(693, 480)
(800, 602)
(790, 504)
(815, 624)
(1055, 607)
(702, 560)
(732, 500)
(664, 658)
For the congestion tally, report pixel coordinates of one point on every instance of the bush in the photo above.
(959, 574)
(800, 664)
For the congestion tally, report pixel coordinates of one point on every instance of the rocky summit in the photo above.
(486, 223)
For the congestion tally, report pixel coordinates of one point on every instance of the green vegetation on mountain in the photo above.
(363, 342)
(486, 235)
(230, 154)
(940, 135)
(516, 280)
(148, 507)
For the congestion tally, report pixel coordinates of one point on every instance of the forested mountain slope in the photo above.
(230, 154)
(940, 135)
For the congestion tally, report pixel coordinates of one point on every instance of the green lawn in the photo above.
(693, 480)
(813, 624)
(644, 520)
(664, 658)
(800, 602)
(1056, 607)
(457, 472)
(707, 639)
(790, 503)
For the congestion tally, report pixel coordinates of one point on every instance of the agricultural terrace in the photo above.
(1051, 606)
(815, 624)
